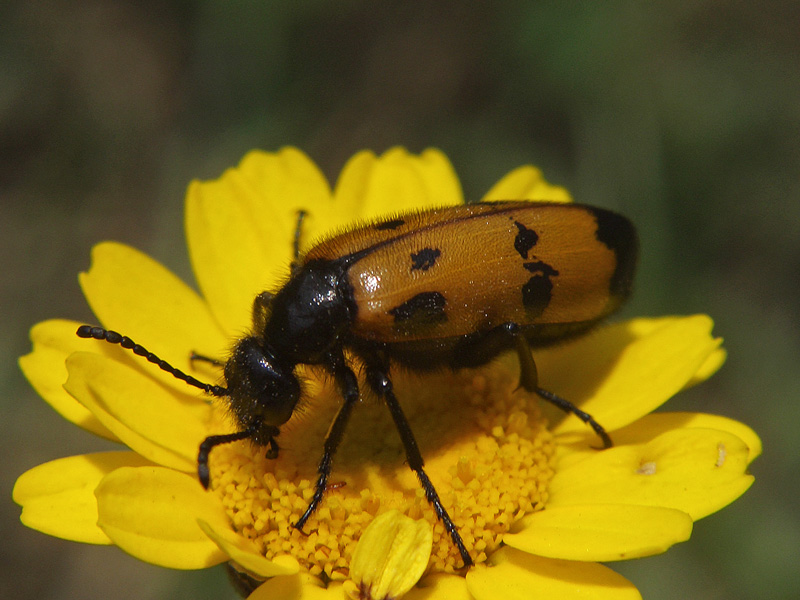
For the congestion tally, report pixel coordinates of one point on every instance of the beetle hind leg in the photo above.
(529, 380)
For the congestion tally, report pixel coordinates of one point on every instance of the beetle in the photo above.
(443, 288)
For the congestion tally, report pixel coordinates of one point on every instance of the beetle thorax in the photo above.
(310, 313)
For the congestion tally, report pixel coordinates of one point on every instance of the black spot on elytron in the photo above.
(423, 310)
(540, 267)
(393, 224)
(617, 233)
(424, 259)
(525, 240)
(538, 291)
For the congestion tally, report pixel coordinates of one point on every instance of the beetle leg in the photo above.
(378, 379)
(194, 356)
(528, 373)
(260, 310)
(477, 349)
(348, 386)
(298, 230)
(217, 440)
(273, 450)
(528, 380)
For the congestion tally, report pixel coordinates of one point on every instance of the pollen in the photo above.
(486, 447)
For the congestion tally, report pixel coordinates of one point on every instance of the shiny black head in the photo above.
(261, 387)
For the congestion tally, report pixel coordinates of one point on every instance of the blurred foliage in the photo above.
(683, 115)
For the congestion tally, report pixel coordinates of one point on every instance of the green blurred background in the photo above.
(684, 115)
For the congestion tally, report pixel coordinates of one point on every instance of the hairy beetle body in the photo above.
(451, 287)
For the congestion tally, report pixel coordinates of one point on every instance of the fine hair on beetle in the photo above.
(391, 294)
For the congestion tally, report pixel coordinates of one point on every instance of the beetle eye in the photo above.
(261, 388)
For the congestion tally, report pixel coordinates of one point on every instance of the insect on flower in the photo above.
(444, 288)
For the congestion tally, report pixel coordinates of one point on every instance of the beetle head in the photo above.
(262, 388)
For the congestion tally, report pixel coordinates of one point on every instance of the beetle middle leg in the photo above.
(378, 380)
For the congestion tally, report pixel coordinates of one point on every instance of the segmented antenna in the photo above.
(112, 337)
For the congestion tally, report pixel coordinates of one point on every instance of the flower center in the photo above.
(486, 450)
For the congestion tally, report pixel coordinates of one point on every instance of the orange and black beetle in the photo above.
(451, 287)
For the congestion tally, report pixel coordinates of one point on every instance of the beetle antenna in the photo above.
(112, 337)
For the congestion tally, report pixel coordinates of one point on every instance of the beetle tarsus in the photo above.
(195, 357)
(529, 381)
(209, 443)
(569, 407)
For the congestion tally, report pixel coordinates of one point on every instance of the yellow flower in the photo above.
(537, 505)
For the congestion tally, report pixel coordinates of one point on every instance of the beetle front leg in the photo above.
(203, 472)
(348, 386)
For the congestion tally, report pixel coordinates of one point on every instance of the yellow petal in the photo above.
(526, 183)
(655, 424)
(697, 471)
(245, 554)
(297, 587)
(398, 181)
(136, 296)
(152, 514)
(440, 585)
(391, 555)
(626, 371)
(144, 415)
(45, 368)
(516, 575)
(57, 497)
(711, 365)
(349, 191)
(603, 532)
(441, 179)
(240, 229)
